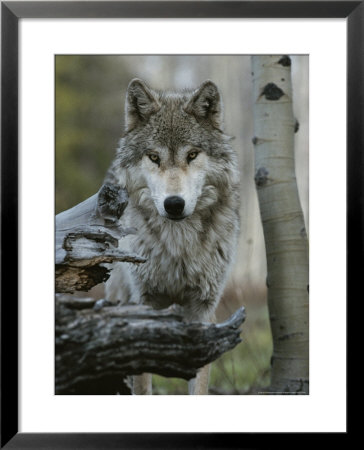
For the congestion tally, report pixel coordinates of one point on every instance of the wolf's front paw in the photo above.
(175, 309)
(102, 303)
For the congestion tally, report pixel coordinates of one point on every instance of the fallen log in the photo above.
(97, 349)
(87, 236)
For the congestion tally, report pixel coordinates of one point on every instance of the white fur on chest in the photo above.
(187, 262)
(183, 258)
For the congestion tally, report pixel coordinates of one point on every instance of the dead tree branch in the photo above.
(97, 349)
(87, 236)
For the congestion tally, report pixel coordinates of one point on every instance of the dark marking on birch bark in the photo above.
(267, 283)
(257, 141)
(261, 176)
(303, 233)
(308, 288)
(296, 126)
(284, 337)
(272, 92)
(285, 61)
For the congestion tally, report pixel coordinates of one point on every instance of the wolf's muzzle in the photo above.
(174, 206)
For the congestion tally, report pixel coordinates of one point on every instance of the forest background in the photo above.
(90, 93)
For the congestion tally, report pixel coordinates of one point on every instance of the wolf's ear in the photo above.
(205, 104)
(140, 103)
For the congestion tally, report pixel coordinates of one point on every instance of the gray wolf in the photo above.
(182, 178)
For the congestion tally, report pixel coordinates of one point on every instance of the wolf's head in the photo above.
(175, 152)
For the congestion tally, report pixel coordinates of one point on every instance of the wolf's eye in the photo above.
(154, 158)
(191, 156)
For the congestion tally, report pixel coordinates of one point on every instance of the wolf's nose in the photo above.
(174, 205)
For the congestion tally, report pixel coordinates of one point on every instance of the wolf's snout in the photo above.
(174, 205)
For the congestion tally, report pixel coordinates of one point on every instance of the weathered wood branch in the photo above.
(87, 236)
(96, 349)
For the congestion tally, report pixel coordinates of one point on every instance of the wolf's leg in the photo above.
(121, 287)
(200, 384)
(142, 384)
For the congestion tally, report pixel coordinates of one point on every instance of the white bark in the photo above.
(283, 223)
(87, 236)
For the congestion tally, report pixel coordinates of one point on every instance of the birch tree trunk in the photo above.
(283, 223)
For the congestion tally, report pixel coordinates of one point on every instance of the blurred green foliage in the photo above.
(89, 107)
(243, 370)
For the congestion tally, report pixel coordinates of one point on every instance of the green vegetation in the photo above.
(243, 370)
(88, 123)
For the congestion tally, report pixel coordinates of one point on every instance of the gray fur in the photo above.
(188, 261)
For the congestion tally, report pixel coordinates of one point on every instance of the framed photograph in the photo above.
(78, 76)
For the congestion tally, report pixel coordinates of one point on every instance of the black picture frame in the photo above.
(11, 12)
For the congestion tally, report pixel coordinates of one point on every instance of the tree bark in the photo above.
(87, 236)
(283, 223)
(97, 349)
